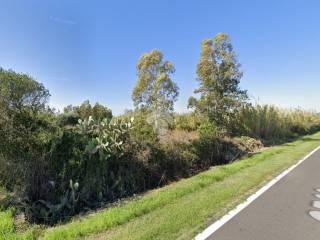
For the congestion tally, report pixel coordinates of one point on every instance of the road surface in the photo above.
(284, 211)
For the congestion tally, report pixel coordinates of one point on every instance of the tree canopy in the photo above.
(219, 76)
(85, 110)
(155, 89)
(20, 91)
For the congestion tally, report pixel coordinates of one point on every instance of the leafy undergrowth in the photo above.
(182, 209)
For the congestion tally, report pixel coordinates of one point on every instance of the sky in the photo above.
(88, 49)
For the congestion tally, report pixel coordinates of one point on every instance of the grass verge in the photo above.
(7, 229)
(182, 209)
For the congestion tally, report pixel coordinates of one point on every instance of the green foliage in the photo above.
(19, 92)
(8, 231)
(187, 121)
(273, 124)
(6, 224)
(49, 213)
(183, 208)
(207, 130)
(89, 166)
(73, 113)
(219, 77)
(177, 161)
(208, 145)
(58, 165)
(106, 138)
(143, 132)
(26, 131)
(154, 89)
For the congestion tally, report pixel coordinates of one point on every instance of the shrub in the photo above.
(172, 161)
(208, 145)
(91, 165)
(187, 121)
(143, 131)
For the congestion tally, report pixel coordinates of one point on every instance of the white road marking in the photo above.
(315, 215)
(218, 224)
(316, 204)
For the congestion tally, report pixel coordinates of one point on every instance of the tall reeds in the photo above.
(272, 123)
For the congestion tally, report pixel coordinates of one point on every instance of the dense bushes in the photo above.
(187, 121)
(60, 164)
(94, 162)
(91, 164)
(27, 131)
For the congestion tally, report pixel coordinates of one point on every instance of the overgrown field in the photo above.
(56, 165)
(181, 209)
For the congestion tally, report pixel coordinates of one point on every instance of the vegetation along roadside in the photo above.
(57, 167)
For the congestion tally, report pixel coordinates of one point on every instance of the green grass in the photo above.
(182, 209)
(7, 229)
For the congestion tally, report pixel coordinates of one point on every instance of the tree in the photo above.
(155, 91)
(154, 88)
(26, 129)
(22, 99)
(20, 92)
(219, 76)
(85, 110)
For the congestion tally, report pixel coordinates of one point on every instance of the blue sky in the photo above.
(88, 49)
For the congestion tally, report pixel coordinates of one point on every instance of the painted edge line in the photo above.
(219, 223)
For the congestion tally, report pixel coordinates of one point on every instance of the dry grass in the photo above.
(178, 136)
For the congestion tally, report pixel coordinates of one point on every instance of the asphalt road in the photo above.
(282, 212)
